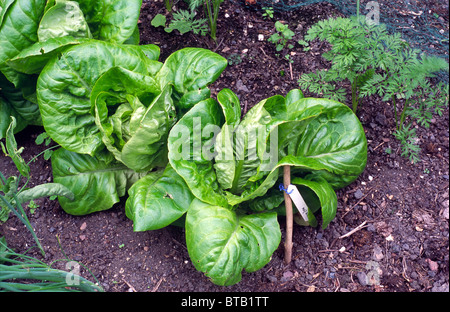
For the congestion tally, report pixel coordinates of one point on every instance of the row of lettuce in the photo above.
(130, 125)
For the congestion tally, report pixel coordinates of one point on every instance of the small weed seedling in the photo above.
(268, 12)
(234, 59)
(282, 36)
(281, 39)
(45, 138)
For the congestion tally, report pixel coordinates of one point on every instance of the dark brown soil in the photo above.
(404, 208)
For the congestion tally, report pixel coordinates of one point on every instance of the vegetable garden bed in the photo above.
(399, 210)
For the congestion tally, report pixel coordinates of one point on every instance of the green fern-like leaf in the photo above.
(185, 21)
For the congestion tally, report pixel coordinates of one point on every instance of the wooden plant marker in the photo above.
(289, 215)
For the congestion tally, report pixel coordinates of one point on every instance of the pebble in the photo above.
(432, 265)
(240, 86)
(300, 263)
(415, 285)
(377, 253)
(445, 212)
(272, 278)
(362, 278)
(358, 194)
(381, 119)
(396, 248)
(441, 288)
(287, 276)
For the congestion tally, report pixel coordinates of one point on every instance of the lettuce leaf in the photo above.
(96, 184)
(64, 89)
(157, 200)
(222, 242)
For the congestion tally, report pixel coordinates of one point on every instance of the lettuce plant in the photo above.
(33, 32)
(111, 108)
(223, 174)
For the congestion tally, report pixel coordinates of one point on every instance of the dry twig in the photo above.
(356, 229)
(157, 285)
(129, 285)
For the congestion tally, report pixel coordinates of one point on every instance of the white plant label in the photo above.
(298, 200)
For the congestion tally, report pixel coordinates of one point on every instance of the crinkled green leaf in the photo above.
(18, 28)
(152, 52)
(137, 131)
(248, 172)
(4, 5)
(111, 20)
(240, 147)
(157, 200)
(18, 31)
(191, 69)
(32, 60)
(65, 18)
(333, 145)
(25, 111)
(64, 89)
(121, 82)
(225, 160)
(191, 143)
(273, 199)
(147, 146)
(96, 185)
(135, 38)
(222, 243)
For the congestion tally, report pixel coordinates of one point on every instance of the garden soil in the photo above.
(391, 229)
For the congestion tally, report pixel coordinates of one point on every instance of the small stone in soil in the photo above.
(287, 276)
(358, 194)
(362, 278)
(377, 253)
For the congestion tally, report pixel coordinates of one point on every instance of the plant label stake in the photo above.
(299, 202)
(289, 216)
